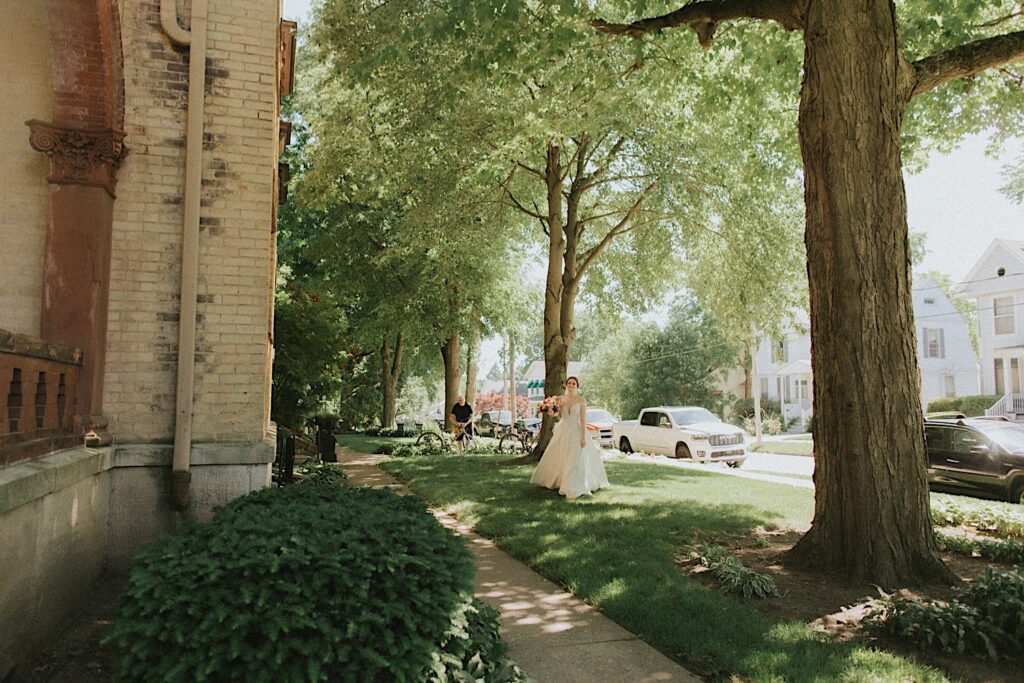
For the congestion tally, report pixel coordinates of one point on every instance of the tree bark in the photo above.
(871, 505)
(472, 351)
(391, 369)
(450, 355)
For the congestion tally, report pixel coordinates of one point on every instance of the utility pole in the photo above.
(755, 383)
(512, 374)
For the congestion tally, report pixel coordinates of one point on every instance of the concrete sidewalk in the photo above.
(552, 635)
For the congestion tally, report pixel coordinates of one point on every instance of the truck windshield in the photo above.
(689, 416)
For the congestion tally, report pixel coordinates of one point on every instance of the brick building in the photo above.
(138, 260)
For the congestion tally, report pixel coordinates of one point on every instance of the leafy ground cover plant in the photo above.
(309, 582)
(318, 471)
(995, 519)
(731, 574)
(1010, 550)
(985, 618)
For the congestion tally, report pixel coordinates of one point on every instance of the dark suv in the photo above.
(976, 457)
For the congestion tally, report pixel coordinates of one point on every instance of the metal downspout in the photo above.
(195, 38)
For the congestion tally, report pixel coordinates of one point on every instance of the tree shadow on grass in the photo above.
(617, 550)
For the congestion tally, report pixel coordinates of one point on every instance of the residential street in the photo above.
(794, 470)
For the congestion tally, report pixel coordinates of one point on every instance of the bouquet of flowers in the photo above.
(549, 406)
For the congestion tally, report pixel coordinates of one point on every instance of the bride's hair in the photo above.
(575, 379)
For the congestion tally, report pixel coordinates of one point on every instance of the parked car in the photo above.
(493, 422)
(682, 432)
(978, 456)
(599, 426)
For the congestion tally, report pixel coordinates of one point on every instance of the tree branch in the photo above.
(966, 60)
(704, 16)
(596, 250)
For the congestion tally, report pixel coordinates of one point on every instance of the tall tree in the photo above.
(871, 503)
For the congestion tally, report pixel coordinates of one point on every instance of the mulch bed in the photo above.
(837, 606)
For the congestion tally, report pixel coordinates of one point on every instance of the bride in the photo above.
(571, 463)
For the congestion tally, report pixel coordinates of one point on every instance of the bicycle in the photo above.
(444, 441)
(517, 439)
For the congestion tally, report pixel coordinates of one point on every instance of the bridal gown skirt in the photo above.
(572, 470)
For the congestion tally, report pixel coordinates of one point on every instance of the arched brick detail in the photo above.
(88, 75)
(84, 144)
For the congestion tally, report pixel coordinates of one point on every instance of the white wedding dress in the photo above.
(574, 471)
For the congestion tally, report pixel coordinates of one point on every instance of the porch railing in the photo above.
(38, 385)
(1010, 405)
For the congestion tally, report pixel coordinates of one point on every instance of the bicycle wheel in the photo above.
(432, 440)
(510, 443)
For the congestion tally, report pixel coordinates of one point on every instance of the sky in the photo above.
(955, 201)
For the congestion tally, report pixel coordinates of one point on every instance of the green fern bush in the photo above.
(985, 618)
(315, 582)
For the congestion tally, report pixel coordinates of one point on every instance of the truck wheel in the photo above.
(735, 464)
(1018, 494)
(624, 445)
(682, 451)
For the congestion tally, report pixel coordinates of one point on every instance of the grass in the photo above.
(369, 444)
(617, 551)
(795, 446)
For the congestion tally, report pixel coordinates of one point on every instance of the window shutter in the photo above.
(924, 342)
(942, 343)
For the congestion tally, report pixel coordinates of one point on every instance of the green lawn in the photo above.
(617, 549)
(794, 446)
(369, 444)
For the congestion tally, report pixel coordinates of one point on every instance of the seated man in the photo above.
(462, 416)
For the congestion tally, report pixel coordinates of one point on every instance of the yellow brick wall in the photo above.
(236, 243)
(26, 84)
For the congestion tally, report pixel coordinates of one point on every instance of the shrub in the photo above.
(771, 424)
(968, 405)
(989, 519)
(985, 618)
(1011, 551)
(310, 582)
(372, 431)
(385, 449)
(388, 431)
(744, 407)
(315, 470)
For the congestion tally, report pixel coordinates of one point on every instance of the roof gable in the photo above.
(1008, 254)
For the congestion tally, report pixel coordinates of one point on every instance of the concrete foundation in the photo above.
(67, 516)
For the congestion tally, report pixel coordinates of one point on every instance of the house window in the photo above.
(1000, 384)
(802, 390)
(950, 385)
(1002, 307)
(764, 387)
(933, 340)
(1014, 376)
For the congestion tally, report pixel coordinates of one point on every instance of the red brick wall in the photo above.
(88, 86)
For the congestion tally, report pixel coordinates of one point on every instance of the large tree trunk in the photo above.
(472, 351)
(871, 510)
(450, 355)
(391, 367)
(556, 354)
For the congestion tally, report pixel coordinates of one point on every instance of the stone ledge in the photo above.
(23, 482)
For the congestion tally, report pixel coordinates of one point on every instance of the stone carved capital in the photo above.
(79, 156)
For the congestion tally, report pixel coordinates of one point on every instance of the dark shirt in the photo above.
(462, 413)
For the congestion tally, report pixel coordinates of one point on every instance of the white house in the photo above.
(534, 378)
(944, 352)
(996, 285)
(945, 356)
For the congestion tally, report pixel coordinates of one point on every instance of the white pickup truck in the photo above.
(683, 432)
